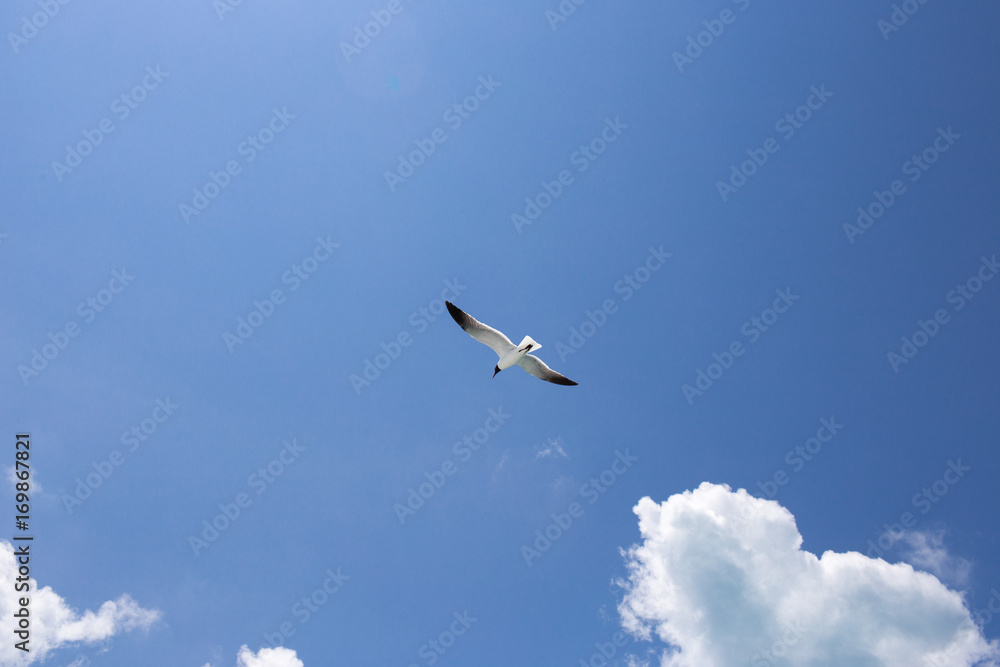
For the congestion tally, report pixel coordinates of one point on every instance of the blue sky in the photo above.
(288, 136)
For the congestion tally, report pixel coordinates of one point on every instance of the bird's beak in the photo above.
(496, 370)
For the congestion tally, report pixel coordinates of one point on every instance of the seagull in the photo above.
(509, 353)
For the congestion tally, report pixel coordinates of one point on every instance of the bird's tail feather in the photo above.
(528, 340)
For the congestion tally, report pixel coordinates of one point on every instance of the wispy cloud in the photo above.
(925, 550)
(503, 462)
(54, 624)
(553, 449)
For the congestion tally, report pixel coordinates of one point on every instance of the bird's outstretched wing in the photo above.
(484, 334)
(537, 367)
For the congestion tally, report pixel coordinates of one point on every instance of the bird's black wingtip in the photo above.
(566, 382)
(462, 318)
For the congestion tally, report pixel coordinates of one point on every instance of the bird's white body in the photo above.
(509, 353)
(514, 356)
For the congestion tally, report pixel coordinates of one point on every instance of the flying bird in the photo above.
(508, 352)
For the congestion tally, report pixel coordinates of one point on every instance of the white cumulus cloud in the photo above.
(53, 623)
(721, 577)
(268, 657)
